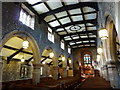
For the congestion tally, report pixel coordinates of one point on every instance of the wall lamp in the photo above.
(99, 50)
(63, 58)
(25, 44)
(51, 55)
(70, 61)
(103, 34)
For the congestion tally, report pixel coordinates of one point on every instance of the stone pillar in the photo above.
(1, 71)
(118, 76)
(36, 73)
(30, 70)
(64, 72)
(101, 72)
(105, 73)
(113, 73)
(55, 72)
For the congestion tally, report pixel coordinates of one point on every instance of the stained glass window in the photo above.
(87, 59)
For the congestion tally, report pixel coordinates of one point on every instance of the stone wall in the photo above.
(10, 22)
(111, 72)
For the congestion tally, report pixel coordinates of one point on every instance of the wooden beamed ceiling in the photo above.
(82, 39)
(93, 21)
(70, 7)
(76, 14)
(94, 32)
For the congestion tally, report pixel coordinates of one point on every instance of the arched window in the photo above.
(87, 59)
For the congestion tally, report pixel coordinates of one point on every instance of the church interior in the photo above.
(60, 45)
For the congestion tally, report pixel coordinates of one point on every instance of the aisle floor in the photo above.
(95, 83)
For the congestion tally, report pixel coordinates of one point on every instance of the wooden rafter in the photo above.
(78, 33)
(70, 7)
(74, 15)
(85, 23)
(83, 44)
(29, 59)
(82, 39)
(12, 48)
(11, 56)
(93, 21)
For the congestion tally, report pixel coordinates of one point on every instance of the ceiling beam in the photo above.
(56, 18)
(70, 7)
(29, 59)
(85, 47)
(82, 44)
(93, 21)
(69, 18)
(80, 39)
(46, 56)
(11, 56)
(38, 2)
(30, 7)
(85, 23)
(11, 48)
(78, 33)
(44, 59)
(50, 63)
(16, 59)
(73, 15)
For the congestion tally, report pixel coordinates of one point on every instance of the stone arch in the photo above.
(111, 47)
(111, 51)
(51, 64)
(35, 49)
(69, 61)
(62, 69)
(63, 62)
(69, 67)
(55, 55)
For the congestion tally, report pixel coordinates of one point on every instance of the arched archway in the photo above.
(48, 62)
(111, 47)
(62, 66)
(69, 67)
(112, 57)
(34, 48)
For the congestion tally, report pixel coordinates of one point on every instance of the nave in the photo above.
(60, 44)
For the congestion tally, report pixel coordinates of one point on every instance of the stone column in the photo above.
(36, 73)
(30, 70)
(1, 71)
(64, 74)
(106, 73)
(113, 73)
(55, 72)
(101, 73)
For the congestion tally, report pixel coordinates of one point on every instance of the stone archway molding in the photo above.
(35, 49)
(55, 63)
